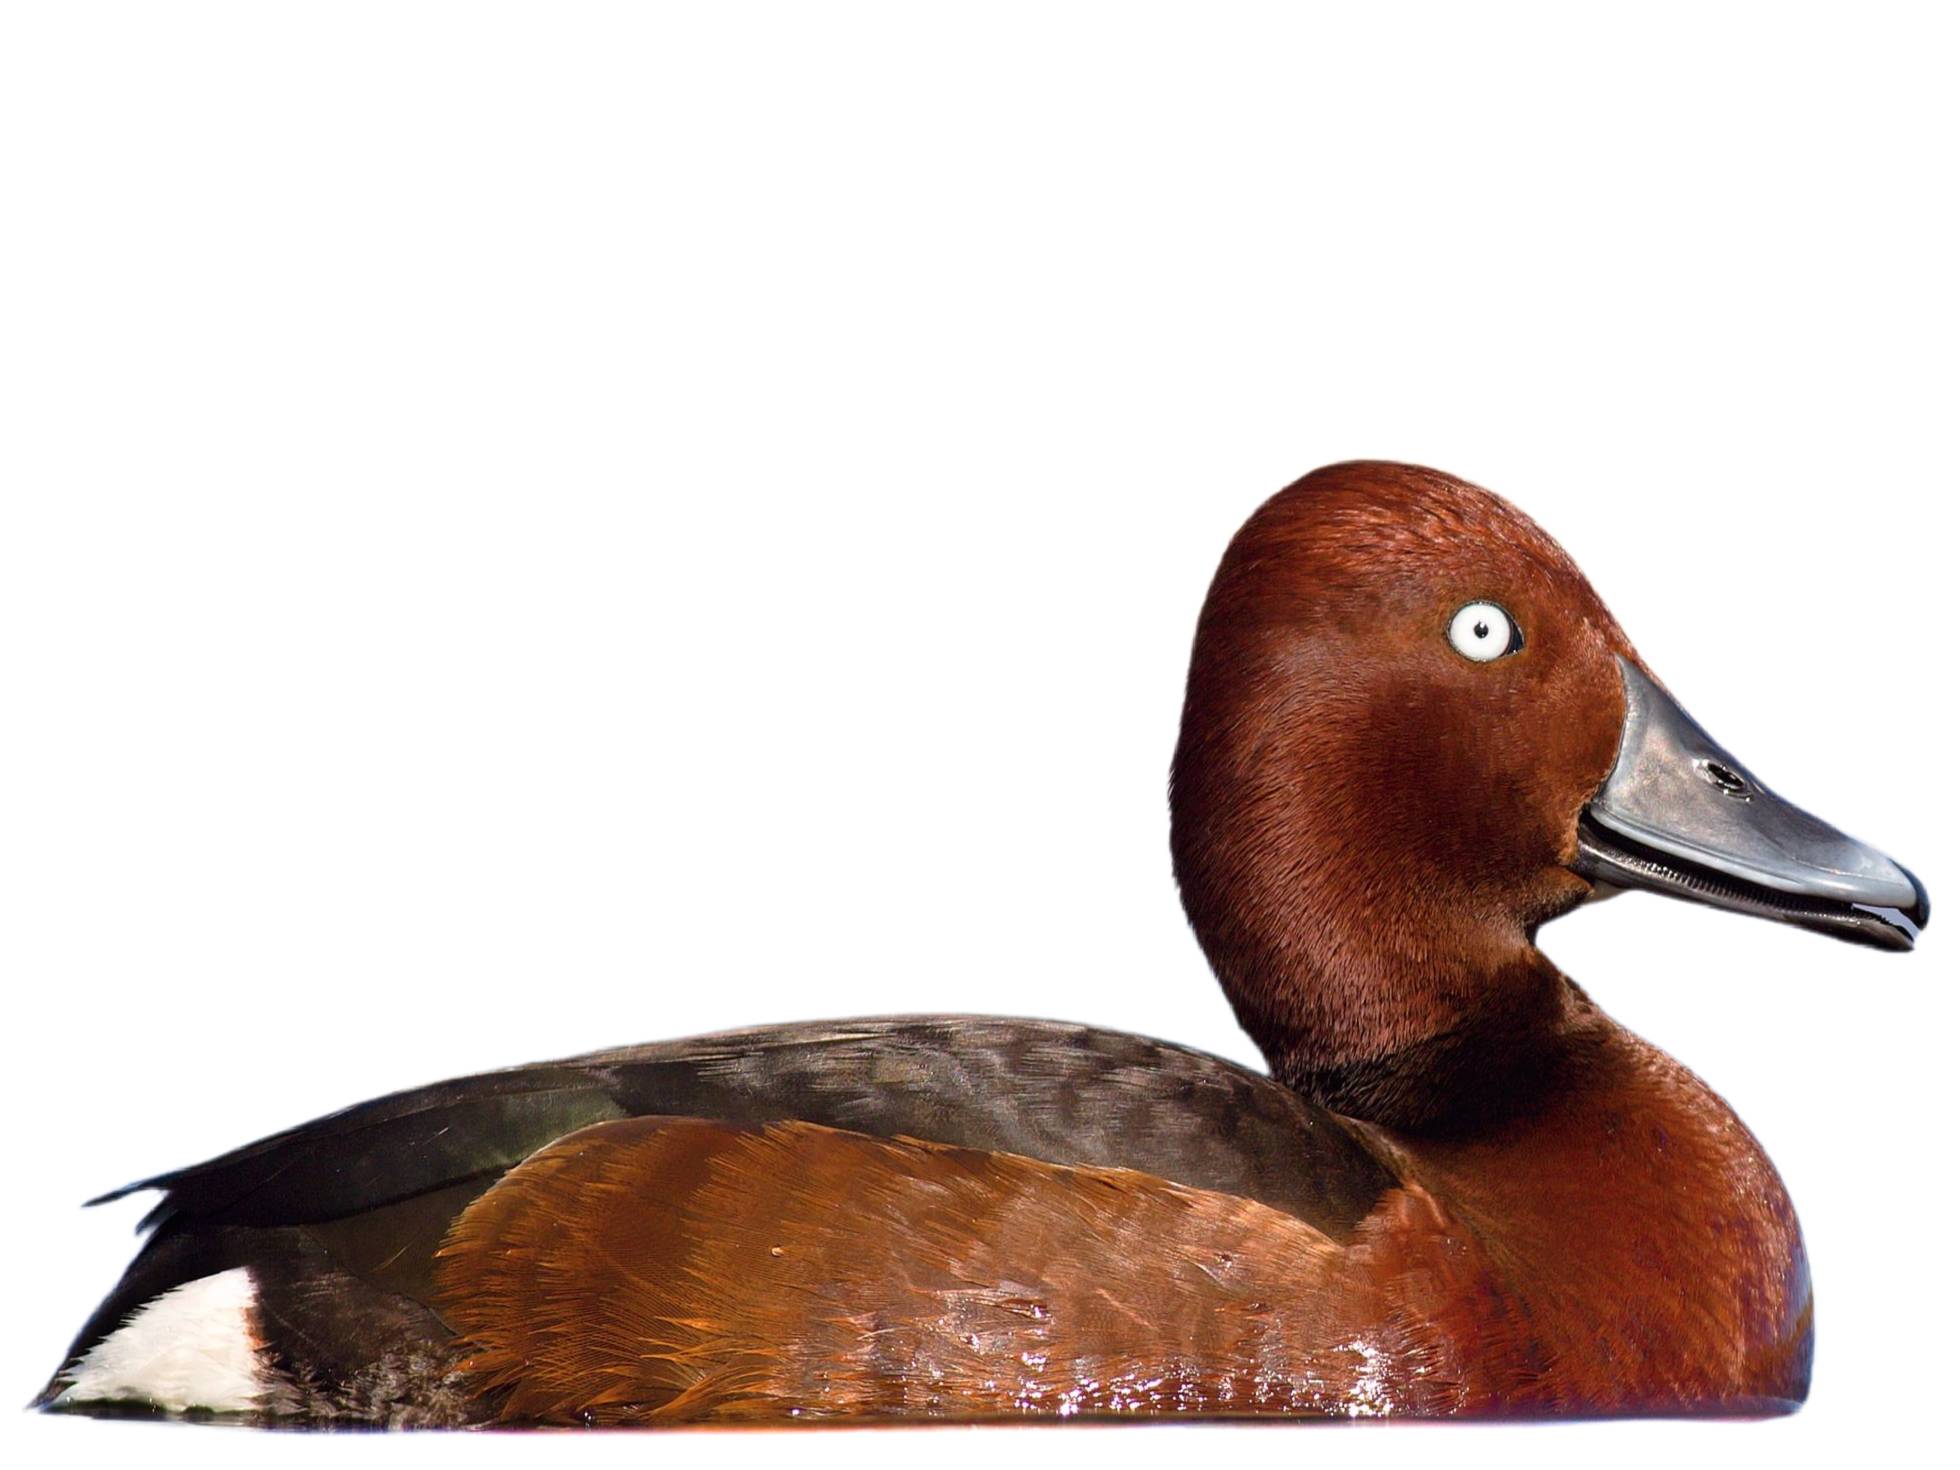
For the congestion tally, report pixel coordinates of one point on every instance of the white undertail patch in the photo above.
(194, 1347)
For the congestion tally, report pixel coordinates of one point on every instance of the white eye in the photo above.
(1482, 631)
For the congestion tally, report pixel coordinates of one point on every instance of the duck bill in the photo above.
(1680, 815)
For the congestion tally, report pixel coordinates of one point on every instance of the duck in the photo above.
(1412, 734)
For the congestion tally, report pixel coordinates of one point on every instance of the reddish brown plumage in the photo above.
(1367, 832)
(662, 1270)
(665, 1269)
(1527, 1210)
(1367, 828)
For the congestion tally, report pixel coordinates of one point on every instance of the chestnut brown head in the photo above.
(1405, 746)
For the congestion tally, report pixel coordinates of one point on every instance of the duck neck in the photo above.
(1490, 1049)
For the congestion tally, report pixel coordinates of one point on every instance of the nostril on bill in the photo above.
(1724, 779)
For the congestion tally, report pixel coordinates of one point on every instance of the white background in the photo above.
(528, 529)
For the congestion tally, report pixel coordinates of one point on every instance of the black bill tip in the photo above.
(1921, 909)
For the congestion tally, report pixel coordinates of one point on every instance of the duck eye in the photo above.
(1482, 631)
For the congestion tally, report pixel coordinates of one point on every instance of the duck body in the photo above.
(1412, 735)
(971, 1218)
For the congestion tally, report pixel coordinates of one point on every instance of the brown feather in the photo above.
(673, 1270)
(656, 1270)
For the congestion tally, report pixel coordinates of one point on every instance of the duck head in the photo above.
(1412, 734)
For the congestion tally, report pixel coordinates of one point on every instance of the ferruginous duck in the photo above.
(1412, 735)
